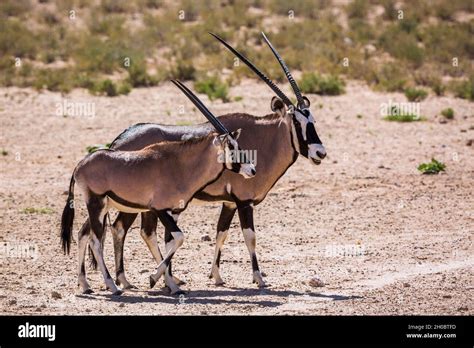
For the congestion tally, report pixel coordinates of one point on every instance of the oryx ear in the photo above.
(236, 134)
(219, 140)
(306, 102)
(277, 105)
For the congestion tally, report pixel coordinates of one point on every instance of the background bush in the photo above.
(314, 37)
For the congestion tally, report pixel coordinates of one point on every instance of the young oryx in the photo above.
(278, 139)
(159, 179)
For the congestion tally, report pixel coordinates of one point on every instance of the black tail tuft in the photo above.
(67, 219)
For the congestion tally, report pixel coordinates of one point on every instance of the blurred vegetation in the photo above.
(112, 46)
(323, 85)
(213, 87)
(415, 94)
(448, 113)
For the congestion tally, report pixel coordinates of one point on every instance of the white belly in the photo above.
(123, 208)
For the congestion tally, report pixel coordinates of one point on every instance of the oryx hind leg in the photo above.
(174, 239)
(119, 229)
(178, 281)
(225, 219)
(248, 230)
(83, 242)
(148, 233)
(97, 212)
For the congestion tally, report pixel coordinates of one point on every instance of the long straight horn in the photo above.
(290, 78)
(205, 111)
(265, 79)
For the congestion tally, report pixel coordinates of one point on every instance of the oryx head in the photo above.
(309, 145)
(230, 153)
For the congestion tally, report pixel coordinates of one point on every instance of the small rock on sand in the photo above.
(205, 238)
(315, 282)
(56, 295)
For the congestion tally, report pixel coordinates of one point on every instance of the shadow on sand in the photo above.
(266, 297)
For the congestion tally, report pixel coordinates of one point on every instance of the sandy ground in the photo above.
(413, 233)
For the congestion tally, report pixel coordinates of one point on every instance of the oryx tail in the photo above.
(67, 218)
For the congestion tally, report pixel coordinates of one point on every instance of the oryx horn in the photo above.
(290, 78)
(269, 82)
(205, 111)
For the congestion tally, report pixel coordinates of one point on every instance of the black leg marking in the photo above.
(120, 227)
(248, 230)
(225, 219)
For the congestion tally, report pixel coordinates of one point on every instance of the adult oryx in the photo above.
(157, 179)
(278, 138)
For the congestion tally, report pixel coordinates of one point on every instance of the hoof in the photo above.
(152, 282)
(179, 292)
(88, 292)
(179, 281)
(130, 287)
(219, 283)
(117, 293)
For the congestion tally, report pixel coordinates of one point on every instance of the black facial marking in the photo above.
(301, 142)
(311, 135)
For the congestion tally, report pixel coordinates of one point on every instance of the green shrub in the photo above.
(56, 80)
(138, 76)
(95, 147)
(16, 40)
(124, 88)
(402, 44)
(437, 86)
(31, 210)
(213, 87)
(183, 71)
(433, 167)
(415, 94)
(448, 113)
(323, 85)
(108, 87)
(464, 89)
(390, 77)
(402, 118)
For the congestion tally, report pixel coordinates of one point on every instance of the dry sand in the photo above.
(414, 232)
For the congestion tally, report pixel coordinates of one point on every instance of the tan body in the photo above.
(159, 177)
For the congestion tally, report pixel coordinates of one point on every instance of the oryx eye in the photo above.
(305, 112)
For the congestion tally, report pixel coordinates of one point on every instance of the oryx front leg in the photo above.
(119, 232)
(227, 213)
(97, 211)
(248, 230)
(174, 239)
